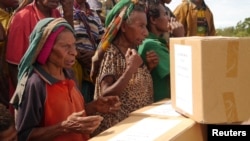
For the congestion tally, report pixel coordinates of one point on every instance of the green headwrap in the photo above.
(113, 22)
(37, 39)
(117, 9)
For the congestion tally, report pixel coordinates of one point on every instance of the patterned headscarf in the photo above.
(113, 21)
(38, 40)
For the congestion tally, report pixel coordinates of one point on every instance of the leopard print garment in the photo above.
(137, 94)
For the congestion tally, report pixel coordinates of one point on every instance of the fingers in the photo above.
(152, 60)
(83, 124)
(151, 56)
(173, 24)
(111, 105)
(133, 60)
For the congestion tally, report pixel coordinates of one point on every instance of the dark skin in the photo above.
(198, 3)
(136, 26)
(45, 6)
(7, 4)
(2, 33)
(63, 56)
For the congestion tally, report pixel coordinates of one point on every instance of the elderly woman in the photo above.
(48, 102)
(122, 71)
(23, 22)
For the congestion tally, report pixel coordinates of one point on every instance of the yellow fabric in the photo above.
(186, 13)
(4, 20)
(78, 73)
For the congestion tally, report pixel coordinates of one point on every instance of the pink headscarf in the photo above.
(47, 47)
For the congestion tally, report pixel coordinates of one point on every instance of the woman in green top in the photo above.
(158, 24)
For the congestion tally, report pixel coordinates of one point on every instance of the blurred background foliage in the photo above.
(242, 29)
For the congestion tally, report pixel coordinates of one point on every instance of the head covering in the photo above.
(38, 38)
(113, 21)
(48, 45)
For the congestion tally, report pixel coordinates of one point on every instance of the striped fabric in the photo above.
(96, 29)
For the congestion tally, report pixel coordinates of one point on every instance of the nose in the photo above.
(145, 32)
(73, 51)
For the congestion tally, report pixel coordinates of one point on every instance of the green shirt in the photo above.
(160, 74)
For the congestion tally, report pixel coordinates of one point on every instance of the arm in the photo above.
(107, 104)
(75, 123)
(30, 114)
(111, 87)
(67, 6)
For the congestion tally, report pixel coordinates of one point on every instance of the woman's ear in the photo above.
(152, 20)
(123, 26)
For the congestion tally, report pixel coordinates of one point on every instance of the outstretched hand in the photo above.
(79, 123)
(107, 104)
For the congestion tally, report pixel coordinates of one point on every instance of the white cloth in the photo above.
(95, 4)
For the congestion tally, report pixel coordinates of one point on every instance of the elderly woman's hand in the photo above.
(78, 123)
(133, 60)
(107, 104)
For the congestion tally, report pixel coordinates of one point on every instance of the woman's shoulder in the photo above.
(34, 79)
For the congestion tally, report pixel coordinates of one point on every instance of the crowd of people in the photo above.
(69, 72)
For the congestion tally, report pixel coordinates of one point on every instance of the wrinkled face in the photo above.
(162, 21)
(52, 4)
(64, 51)
(134, 28)
(9, 134)
(10, 3)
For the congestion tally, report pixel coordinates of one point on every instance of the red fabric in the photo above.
(20, 29)
(62, 100)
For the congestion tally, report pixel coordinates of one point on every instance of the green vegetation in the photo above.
(242, 29)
